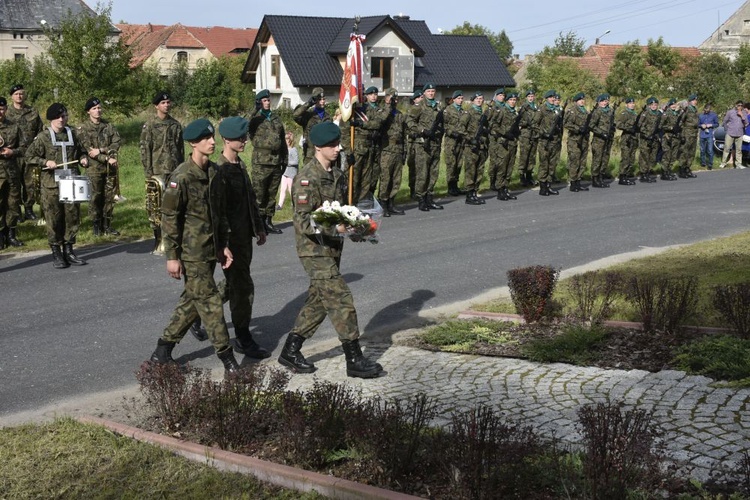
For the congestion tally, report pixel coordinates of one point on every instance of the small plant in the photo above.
(733, 302)
(593, 294)
(619, 455)
(663, 303)
(530, 289)
(574, 345)
(721, 357)
(167, 388)
(464, 332)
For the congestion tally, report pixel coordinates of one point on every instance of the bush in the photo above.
(593, 294)
(530, 289)
(574, 345)
(721, 357)
(663, 303)
(733, 302)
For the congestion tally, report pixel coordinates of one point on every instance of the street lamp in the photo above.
(601, 36)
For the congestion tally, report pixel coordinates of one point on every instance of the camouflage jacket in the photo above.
(690, 121)
(626, 121)
(312, 186)
(11, 136)
(648, 124)
(528, 111)
(369, 133)
(193, 229)
(601, 122)
(548, 122)
(267, 134)
(235, 197)
(426, 117)
(452, 122)
(394, 132)
(103, 136)
(162, 147)
(307, 116)
(504, 123)
(475, 127)
(28, 121)
(669, 121)
(42, 149)
(575, 121)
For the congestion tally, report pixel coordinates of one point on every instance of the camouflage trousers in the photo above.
(366, 167)
(201, 296)
(239, 289)
(670, 144)
(427, 157)
(391, 168)
(600, 149)
(452, 156)
(628, 148)
(102, 200)
(547, 159)
(411, 164)
(328, 295)
(10, 196)
(28, 191)
(266, 180)
(473, 167)
(578, 149)
(649, 149)
(60, 219)
(687, 152)
(506, 160)
(527, 146)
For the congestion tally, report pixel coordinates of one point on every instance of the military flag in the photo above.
(351, 82)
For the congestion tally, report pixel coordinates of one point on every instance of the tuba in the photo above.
(154, 191)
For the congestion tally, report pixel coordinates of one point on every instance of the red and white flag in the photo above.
(351, 82)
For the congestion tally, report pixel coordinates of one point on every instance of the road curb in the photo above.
(269, 472)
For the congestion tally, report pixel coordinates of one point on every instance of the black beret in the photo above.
(579, 96)
(233, 127)
(262, 94)
(91, 103)
(428, 86)
(458, 93)
(325, 133)
(3, 101)
(55, 111)
(629, 99)
(197, 130)
(371, 90)
(161, 96)
(15, 88)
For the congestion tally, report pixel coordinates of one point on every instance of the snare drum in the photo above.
(75, 189)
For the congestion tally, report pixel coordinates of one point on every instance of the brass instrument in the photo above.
(154, 192)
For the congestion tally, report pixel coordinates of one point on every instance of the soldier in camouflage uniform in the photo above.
(10, 180)
(427, 126)
(307, 115)
(690, 126)
(576, 122)
(30, 124)
(392, 155)
(669, 128)
(319, 249)
(602, 131)
(51, 149)
(625, 121)
(195, 232)
(528, 140)
(162, 147)
(453, 143)
(368, 121)
(495, 108)
(648, 139)
(557, 150)
(548, 124)
(504, 134)
(270, 157)
(474, 126)
(101, 140)
(411, 162)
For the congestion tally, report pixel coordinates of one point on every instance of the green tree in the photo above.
(663, 58)
(711, 77)
(241, 96)
(85, 59)
(741, 65)
(15, 71)
(178, 81)
(499, 41)
(566, 44)
(207, 92)
(630, 73)
(563, 74)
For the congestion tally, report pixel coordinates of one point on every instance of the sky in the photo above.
(682, 23)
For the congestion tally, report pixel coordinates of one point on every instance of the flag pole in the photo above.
(351, 124)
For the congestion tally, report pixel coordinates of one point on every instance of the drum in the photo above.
(75, 189)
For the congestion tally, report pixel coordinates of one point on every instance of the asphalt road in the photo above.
(70, 333)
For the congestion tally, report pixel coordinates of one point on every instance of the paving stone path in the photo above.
(706, 429)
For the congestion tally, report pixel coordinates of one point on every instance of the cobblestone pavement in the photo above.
(706, 429)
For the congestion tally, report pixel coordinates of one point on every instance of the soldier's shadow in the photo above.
(379, 330)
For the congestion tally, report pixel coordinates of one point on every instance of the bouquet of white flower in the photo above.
(360, 225)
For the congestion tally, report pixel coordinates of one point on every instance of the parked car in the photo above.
(720, 134)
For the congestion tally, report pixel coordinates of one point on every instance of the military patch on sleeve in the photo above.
(302, 199)
(173, 184)
(304, 182)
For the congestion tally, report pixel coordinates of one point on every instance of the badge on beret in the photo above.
(304, 182)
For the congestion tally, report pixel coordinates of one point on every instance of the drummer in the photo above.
(58, 147)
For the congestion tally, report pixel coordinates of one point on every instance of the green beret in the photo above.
(557, 95)
(262, 94)
(417, 94)
(602, 97)
(692, 97)
(629, 99)
(501, 90)
(428, 86)
(476, 94)
(197, 130)
(325, 133)
(530, 92)
(652, 100)
(671, 101)
(513, 95)
(371, 90)
(550, 93)
(318, 93)
(234, 127)
(579, 96)
(458, 93)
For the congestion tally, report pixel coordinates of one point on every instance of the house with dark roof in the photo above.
(731, 34)
(165, 45)
(294, 54)
(22, 24)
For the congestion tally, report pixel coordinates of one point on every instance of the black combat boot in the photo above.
(624, 181)
(270, 228)
(509, 195)
(596, 182)
(291, 357)
(96, 228)
(356, 364)
(604, 183)
(13, 239)
(689, 173)
(453, 188)
(423, 204)
(543, 189)
(70, 256)
(581, 187)
(478, 198)
(646, 178)
(393, 209)
(244, 344)
(575, 186)
(198, 330)
(29, 213)
(431, 203)
(384, 204)
(58, 261)
(471, 199)
(502, 194)
(108, 229)
(551, 190)
(163, 352)
(227, 359)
